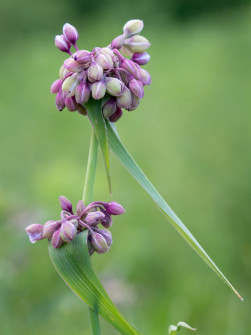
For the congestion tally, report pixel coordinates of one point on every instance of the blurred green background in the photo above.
(191, 135)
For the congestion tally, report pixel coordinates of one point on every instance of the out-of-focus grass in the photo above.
(191, 135)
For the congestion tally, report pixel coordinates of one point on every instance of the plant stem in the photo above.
(87, 198)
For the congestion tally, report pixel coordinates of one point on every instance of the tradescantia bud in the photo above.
(107, 235)
(141, 58)
(82, 110)
(50, 227)
(56, 86)
(95, 72)
(98, 89)
(82, 56)
(116, 116)
(82, 93)
(68, 231)
(130, 66)
(71, 104)
(56, 240)
(105, 61)
(69, 85)
(99, 243)
(135, 103)
(63, 72)
(62, 44)
(94, 218)
(65, 204)
(133, 27)
(60, 100)
(118, 42)
(125, 100)
(136, 88)
(35, 232)
(114, 208)
(144, 76)
(106, 51)
(137, 43)
(71, 65)
(80, 207)
(114, 86)
(109, 107)
(70, 33)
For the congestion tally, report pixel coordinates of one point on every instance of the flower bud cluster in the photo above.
(103, 72)
(64, 230)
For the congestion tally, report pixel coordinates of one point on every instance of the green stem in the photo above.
(87, 198)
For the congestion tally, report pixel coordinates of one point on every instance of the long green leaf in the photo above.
(95, 115)
(126, 159)
(73, 264)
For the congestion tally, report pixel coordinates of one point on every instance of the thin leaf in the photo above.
(126, 159)
(172, 330)
(73, 264)
(95, 115)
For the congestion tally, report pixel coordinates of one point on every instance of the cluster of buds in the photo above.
(103, 72)
(70, 224)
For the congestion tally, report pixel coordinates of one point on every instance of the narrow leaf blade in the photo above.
(129, 163)
(95, 115)
(73, 264)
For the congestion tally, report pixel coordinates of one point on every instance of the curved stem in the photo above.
(87, 196)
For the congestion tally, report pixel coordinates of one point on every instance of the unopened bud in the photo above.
(116, 116)
(63, 72)
(80, 207)
(49, 228)
(136, 88)
(107, 221)
(106, 51)
(133, 27)
(98, 89)
(118, 42)
(114, 86)
(68, 231)
(135, 103)
(125, 100)
(137, 43)
(99, 243)
(60, 100)
(93, 218)
(56, 240)
(71, 65)
(144, 76)
(62, 44)
(109, 107)
(95, 72)
(82, 93)
(71, 104)
(107, 235)
(141, 58)
(56, 86)
(105, 61)
(114, 208)
(82, 110)
(125, 51)
(82, 56)
(35, 232)
(69, 85)
(130, 66)
(65, 204)
(70, 33)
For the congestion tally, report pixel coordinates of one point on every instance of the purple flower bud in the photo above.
(62, 44)
(65, 204)
(56, 240)
(141, 58)
(125, 51)
(106, 51)
(50, 227)
(130, 66)
(99, 243)
(80, 207)
(114, 208)
(135, 103)
(105, 61)
(107, 235)
(70, 33)
(95, 72)
(125, 100)
(56, 86)
(118, 42)
(82, 93)
(114, 86)
(71, 65)
(107, 221)
(116, 116)
(137, 44)
(68, 231)
(93, 218)
(35, 232)
(144, 76)
(109, 107)
(82, 57)
(133, 27)
(98, 89)
(82, 110)
(69, 85)
(136, 88)
(71, 104)
(60, 101)
(63, 72)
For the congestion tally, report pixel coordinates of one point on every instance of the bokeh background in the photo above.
(191, 135)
